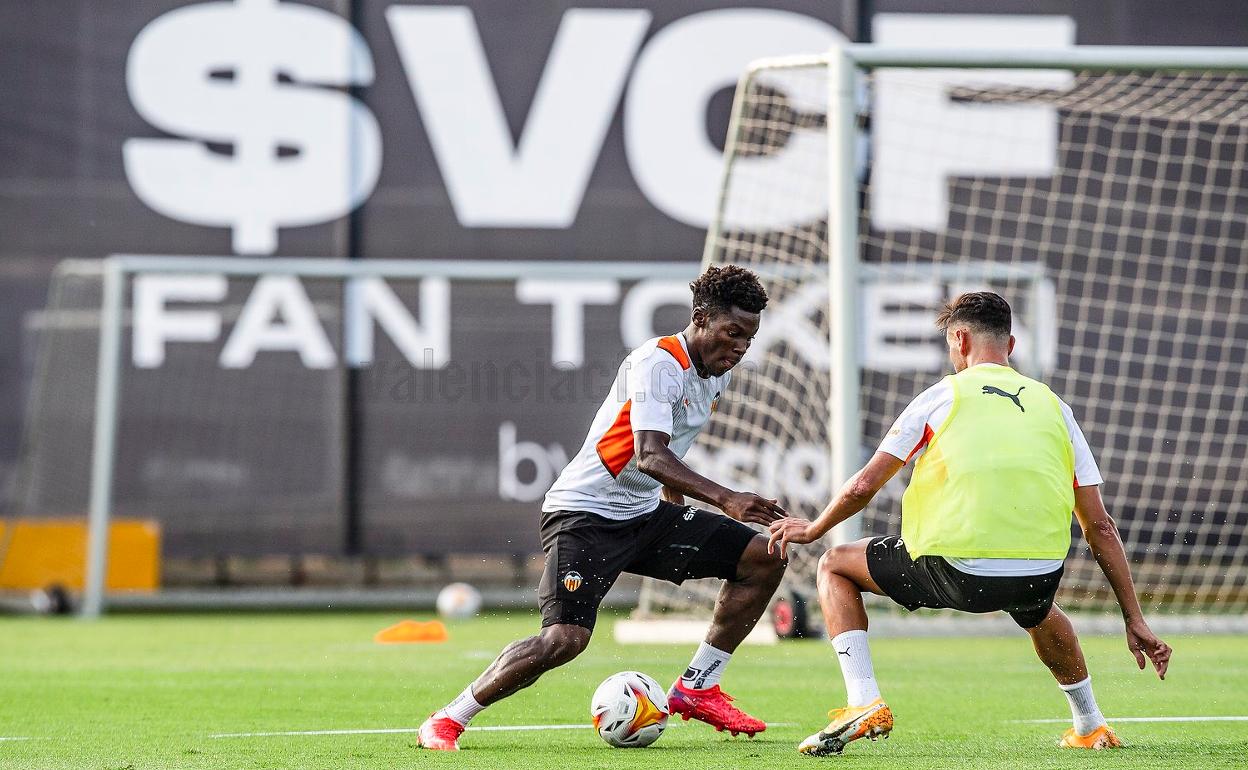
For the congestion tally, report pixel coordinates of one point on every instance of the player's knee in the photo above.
(768, 572)
(774, 566)
(824, 568)
(828, 563)
(562, 643)
(834, 561)
(757, 565)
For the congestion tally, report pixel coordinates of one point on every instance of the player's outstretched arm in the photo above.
(852, 498)
(1101, 533)
(658, 462)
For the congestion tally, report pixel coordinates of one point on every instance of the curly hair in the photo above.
(720, 289)
(983, 311)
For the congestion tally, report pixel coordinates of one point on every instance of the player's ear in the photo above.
(1010, 350)
(700, 317)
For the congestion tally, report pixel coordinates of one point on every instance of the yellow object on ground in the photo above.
(38, 553)
(412, 631)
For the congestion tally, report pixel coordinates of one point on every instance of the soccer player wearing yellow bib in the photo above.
(1000, 463)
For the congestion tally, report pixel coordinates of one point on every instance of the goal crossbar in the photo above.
(1084, 57)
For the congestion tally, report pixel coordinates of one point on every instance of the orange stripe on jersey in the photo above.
(927, 436)
(615, 448)
(672, 345)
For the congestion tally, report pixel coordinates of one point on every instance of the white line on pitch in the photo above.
(390, 731)
(1137, 719)
(15, 738)
(508, 728)
(316, 732)
(393, 730)
(672, 723)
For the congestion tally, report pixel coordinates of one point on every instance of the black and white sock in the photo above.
(706, 668)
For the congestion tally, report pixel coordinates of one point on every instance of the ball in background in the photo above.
(629, 710)
(458, 601)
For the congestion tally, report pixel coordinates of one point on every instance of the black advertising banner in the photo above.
(517, 131)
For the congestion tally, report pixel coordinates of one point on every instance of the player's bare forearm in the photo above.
(657, 461)
(1107, 548)
(1102, 536)
(852, 497)
(857, 492)
(1103, 539)
(661, 464)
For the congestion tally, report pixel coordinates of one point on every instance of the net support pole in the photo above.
(107, 390)
(843, 433)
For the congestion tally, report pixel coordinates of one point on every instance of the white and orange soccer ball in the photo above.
(459, 601)
(629, 710)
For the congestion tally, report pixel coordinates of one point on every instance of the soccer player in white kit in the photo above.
(619, 506)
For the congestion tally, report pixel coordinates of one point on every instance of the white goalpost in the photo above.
(1102, 190)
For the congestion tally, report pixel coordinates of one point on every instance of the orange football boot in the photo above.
(1102, 737)
(850, 723)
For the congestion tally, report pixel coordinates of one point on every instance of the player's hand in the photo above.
(1142, 642)
(752, 509)
(790, 530)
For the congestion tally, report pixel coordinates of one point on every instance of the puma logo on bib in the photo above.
(995, 391)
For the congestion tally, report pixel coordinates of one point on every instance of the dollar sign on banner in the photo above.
(302, 154)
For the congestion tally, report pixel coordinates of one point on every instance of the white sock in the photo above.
(463, 708)
(1083, 706)
(706, 668)
(854, 656)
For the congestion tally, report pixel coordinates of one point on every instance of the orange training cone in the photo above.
(412, 631)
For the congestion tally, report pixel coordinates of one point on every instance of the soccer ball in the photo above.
(458, 601)
(629, 710)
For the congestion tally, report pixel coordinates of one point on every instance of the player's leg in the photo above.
(516, 667)
(842, 576)
(686, 543)
(584, 556)
(743, 601)
(844, 573)
(1057, 645)
(522, 662)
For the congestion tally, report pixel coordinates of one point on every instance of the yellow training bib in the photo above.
(997, 479)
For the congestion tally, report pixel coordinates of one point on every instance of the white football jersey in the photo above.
(656, 388)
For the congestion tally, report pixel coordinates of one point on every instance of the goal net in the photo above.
(224, 450)
(305, 422)
(1108, 205)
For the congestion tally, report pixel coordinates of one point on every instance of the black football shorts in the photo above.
(930, 581)
(585, 553)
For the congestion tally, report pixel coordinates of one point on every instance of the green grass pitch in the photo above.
(151, 691)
